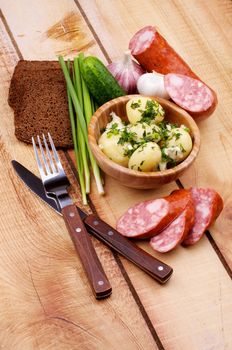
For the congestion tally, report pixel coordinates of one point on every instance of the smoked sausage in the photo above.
(148, 218)
(176, 232)
(190, 94)
(153, 52)
(208, 205)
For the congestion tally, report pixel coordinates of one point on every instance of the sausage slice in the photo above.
(176, 232)
(148, 218)
(190, 94)
(208, 205)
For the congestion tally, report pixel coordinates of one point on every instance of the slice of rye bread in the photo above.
(38, 97)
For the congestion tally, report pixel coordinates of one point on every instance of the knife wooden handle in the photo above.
(154, 267)
(84, 247)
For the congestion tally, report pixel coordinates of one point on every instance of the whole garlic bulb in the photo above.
(126, 72)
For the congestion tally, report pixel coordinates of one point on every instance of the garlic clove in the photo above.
(152, 84)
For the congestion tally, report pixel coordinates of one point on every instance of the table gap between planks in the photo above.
(54, 308)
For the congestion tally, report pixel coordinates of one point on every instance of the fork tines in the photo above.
(50, 164)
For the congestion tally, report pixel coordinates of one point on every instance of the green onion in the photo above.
(80, 137)
(86, 96)
(81, 120)
(76, 146)
(78, 85)
(74, 97)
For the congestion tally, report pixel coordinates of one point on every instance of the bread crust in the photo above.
(38, 97)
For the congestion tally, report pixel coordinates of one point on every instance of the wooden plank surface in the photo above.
(208, 55)
(45, 296)
(193, 311)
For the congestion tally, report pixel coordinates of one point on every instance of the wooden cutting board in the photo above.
(46, 302)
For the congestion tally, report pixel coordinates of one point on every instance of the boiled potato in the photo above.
(144, 109)
(146, 158)
(179, 140)
(109, 145)
(142, 130)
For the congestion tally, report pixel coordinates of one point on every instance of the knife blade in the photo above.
(102, 231)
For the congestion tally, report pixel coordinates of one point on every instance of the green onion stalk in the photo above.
(82, 122)
(76, 146)
(80, 137)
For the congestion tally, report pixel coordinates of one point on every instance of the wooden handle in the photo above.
(84, 247)
(154, 267)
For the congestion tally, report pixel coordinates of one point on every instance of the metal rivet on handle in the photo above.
(100, 283)
(110, 233)
(78, 229)
(71, 214)
(95, 222)
(160, 268)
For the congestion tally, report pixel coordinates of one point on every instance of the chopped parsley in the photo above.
(165, 157)
(127, 136)
(182, 148)
(148, 138)
(113, 130)
(165, 132)
(152, 110)
(177, 135)
(135, 105)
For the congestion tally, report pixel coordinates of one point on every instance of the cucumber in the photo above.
(101, 83)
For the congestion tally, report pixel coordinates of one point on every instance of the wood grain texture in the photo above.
(45, 297)
(34, 37)
(188, 27)
(193, 310)
(203, 51)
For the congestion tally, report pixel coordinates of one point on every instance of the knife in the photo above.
(102, 231)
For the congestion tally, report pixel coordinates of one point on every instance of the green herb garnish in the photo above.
(182, 148)
(177, 135)
(113, 130)
(152, 110)
(165, 157)
(127, 136)
(135, 105)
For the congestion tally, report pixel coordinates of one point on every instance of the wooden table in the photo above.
(46, 302)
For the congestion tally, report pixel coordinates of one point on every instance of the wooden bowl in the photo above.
(134, 178)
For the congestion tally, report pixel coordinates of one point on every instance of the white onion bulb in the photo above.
(152, 84)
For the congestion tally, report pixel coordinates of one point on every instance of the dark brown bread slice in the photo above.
(39, 99)
(38, 71)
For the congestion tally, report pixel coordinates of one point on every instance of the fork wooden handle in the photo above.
(84, 247)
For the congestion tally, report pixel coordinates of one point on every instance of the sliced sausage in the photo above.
(153, 52)
(176, 232)
(208, 205)
(148, 218)
(190, 94)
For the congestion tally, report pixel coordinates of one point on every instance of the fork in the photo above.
(55, 183)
